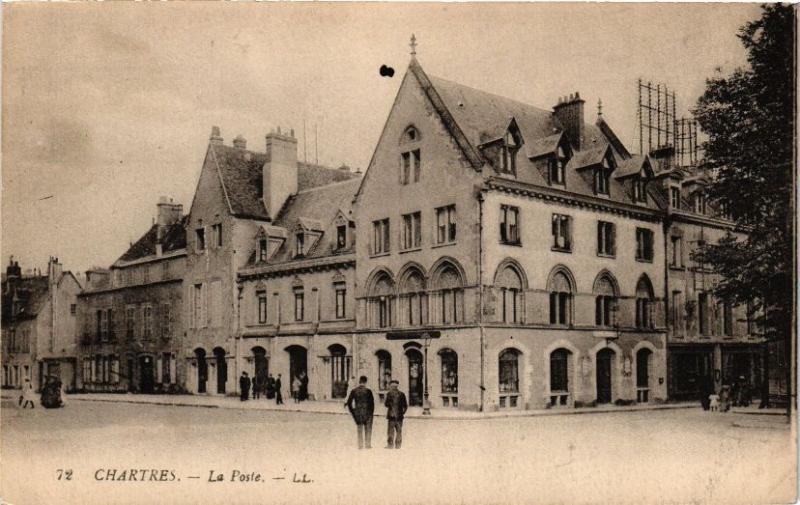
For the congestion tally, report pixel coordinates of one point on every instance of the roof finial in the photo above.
(599, 107)
(413, 45)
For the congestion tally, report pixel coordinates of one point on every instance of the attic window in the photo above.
(602, 177)
(341, 236)
(639, 193)
(300, 244)
(557, 166)
(262, 249)
(411, 134)
(700, 203)
(508, 154)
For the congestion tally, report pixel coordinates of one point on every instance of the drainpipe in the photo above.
(480, 298)
(667, 301)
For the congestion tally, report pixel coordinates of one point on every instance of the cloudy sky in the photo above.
(108, 106)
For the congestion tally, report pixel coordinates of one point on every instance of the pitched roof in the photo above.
(320, 204)
(241, 172)
(30, 293)
(174, 239)
(592, 155)
(544, 145)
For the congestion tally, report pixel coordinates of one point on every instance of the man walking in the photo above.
(396, 406)
(278, 395)
(244, 386)
(361, 404)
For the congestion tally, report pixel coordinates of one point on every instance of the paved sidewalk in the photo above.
(337, 407)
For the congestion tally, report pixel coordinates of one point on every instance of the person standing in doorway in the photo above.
(270, 387)
(244, 386)
(303, 386)
(258, 386)
(278, 394)
(296, 389)
(361, 404)
(396, 406)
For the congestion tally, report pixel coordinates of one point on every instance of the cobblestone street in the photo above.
(632, 457)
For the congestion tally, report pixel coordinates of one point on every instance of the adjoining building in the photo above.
(264, 267)
(131, 315)
(38, 325)
(507, 257)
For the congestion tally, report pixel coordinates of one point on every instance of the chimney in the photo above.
(169, 213)
(54, 270)
(344, 168)
(13, 270)
(240, 143)
(279, 179)
(216, 136)
(569, 115)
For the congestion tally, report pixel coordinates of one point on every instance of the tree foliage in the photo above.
(749, 118)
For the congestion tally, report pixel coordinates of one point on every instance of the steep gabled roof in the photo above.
(241, 175)
(592, 155)
(174, 240)
(30, 294)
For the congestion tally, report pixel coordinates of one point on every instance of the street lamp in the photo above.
(426, 404)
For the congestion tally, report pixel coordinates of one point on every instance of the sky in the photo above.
(108, 106)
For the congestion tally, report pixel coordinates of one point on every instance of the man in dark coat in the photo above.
(361, 404)
(278, 394)
(244, 386)
(396, 406)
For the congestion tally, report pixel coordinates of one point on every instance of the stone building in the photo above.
(707, 339)
(38, 325)
(260, 228)
(131, 315)
(507, 256)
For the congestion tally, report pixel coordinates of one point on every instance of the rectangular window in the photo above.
(556, 170)
(702, 313)
(644, 244)
(675, 198)
(299, 308)
(601, 181)
(700, 203)
(606, 239)
(166, 326)
(384, 312)
(200, 235)
(380, 236)
(110, 329)
(560, 311)
(639, 194)
(262, 249)
(299, 244)
(262, 306)
(446, 224)
(217, 233)
(341, 236)
(412, 234)
(562, 232)
(341, 294)
(409, 167)
(165, 273)
(103, 325)
(98, 333)
(73, 309)
(148, 322)
(198, 307)
(677, 311)
(676, 252)
(166, 359)
(130, 321)
(511, 298)
(509, 225)
(145, 274)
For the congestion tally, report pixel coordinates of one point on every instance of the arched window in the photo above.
(511, 295)
(450, 294)
(508, 377)
(560, 289)
(414, 299)
(340, 370)
(560, 369)
(605, 301)
(411, 134)
(449, 370)
(380, 300)
(384, 369)
(644, 303)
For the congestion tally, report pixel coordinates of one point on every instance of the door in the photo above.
(415, 377)
(340, 371)
(297, 363)
(604, 366)
(261, 365)
(146, 374)
(130, 374)
(202, 370)
(222, 369)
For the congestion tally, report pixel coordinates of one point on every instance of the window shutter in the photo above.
(612, 238)
(158, 369)
(172, 370)
(553, 308)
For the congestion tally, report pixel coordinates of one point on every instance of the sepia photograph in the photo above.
(398, 253)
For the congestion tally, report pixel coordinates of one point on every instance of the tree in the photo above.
(749, 119)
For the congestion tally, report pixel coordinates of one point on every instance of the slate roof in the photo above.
(31, 293)
(630, 166)
(588, 157)
(319, 204)
(174, 239)
(241, 172)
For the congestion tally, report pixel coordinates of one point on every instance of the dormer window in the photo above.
(557, 166)
(675, 198)
(508, 154)
(700, 203)
(262, 249)
(639, 193)
(341, 236)
(602, 177)
(300, 240)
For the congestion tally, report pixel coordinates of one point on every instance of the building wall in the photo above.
(19, 361)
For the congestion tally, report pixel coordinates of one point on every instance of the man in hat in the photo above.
(396, 406)
(244, 386)
(361, 404)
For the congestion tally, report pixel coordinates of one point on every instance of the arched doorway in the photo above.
(416, 373)
(604, 369)
(261, 365)
(643, 362)
(222, 369)
(146, 374)
(298, 363)
(202, 369)
(340, 370)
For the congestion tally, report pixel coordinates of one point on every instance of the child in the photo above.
(713, 402)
